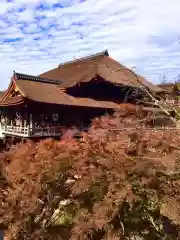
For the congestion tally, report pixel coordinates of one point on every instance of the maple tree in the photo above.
(120, 180)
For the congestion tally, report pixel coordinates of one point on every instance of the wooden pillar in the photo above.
(26, 116)
(22, 116)
(20, 119)
(30, 120)
(1, 234)
(11, 118)
(13, 140)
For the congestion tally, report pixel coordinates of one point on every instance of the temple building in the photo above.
(171, 92)
(69, 95)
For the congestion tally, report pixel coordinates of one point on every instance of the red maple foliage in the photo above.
(120, 179)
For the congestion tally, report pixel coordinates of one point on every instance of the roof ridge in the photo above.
(22, 76)
(103, 53)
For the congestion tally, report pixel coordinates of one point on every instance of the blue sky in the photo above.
(37, 35)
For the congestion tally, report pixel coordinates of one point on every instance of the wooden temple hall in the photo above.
(69, 95)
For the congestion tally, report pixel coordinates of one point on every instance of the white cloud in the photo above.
(26, 16)
(137, 33)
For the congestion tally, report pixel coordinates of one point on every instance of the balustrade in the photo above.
(31, 132)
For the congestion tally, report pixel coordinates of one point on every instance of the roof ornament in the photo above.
(14, 73)
(106, 53)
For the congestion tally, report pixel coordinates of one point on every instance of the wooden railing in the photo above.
(31, 132)
(46, 131)
(17, 131)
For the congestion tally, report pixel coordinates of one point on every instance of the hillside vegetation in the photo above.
(121, 180)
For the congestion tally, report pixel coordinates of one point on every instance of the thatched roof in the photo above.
(48, 87)
(100, 64)
(46, 91)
